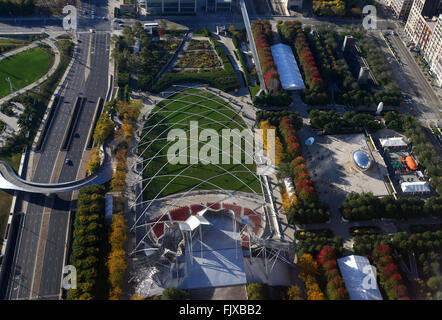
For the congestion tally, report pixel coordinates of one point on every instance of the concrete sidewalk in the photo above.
(42, 79)
(11, 121)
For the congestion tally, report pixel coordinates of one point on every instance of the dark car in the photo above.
(68, 162)
(76, 135)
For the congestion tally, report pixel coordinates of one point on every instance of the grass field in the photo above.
(23, 69)
(219, 116)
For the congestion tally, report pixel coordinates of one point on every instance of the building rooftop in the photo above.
(288, 70)
(354, 270)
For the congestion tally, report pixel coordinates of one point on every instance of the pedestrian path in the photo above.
(11, 122)
(54, 48)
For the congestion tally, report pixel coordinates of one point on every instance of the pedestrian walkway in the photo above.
(34, 44)
(11, 122)
(9, 180)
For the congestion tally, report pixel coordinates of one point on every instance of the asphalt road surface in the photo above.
(93, 88)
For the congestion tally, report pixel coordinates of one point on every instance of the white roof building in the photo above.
(289, 187)
(288, 70)
(416, 186)
(393, 142)
(356, 271)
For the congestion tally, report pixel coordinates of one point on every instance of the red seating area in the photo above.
(158, 229)
(255, 218)
(214, 206)
(180, 214)
(244, 240)
(236, 209)
(183, 213)
(195, 208)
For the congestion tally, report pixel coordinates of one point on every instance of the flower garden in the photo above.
(199, 56)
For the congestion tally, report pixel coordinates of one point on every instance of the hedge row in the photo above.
(388, 273)
(334, 284)
(366, 206)
(308, 208)
(88, 238)
(330, 122)
(262, 33)
(315, 93)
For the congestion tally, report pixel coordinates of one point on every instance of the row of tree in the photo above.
(279, 148)
(88, 239)
(292, 33)
(309, 274)
(330, 122)
(306, 207)
(116, 262)
(329, 8)
(104, 128)
(335, 70)
(426, 247)
(366, 206)
(262, 33)
(275, 117)
(334, 284)
(313, 241)
(389, 277)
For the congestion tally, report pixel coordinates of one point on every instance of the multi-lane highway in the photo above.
(41, 250)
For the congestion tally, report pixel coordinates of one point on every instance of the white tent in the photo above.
(288, 70)
(356, 271)
(417, 186)
(393, 142)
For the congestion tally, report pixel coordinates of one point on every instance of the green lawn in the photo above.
(23, 69)
(226, 118)
(254, 90)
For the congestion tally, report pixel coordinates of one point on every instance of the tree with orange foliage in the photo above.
(294, 293)
(308, 273)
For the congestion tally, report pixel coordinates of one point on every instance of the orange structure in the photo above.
(411, 163)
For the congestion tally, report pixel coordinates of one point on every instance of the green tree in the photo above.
(173, 293)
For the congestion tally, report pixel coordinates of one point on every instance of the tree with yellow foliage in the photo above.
(104, 129)
(94, 160)
(294, 293)
(288, 202)
(279, 148)
(308, 273)
(116, 262)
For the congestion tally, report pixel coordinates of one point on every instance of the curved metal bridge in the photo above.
(11, 181)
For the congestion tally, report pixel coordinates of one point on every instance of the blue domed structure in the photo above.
(362, 160)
